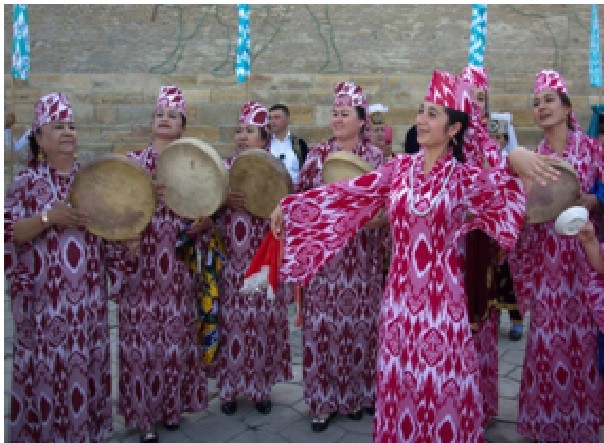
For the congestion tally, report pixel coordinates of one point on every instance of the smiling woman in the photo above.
(555, 280)
(160, 356)
(255, 349)
(427, 385)
(339, 335)
(57, 271)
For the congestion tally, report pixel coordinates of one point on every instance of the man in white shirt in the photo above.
(291, 150)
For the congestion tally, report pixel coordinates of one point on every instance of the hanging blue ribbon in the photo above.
(478, 35)
(595, 58)
(242, 65)
(20, 68)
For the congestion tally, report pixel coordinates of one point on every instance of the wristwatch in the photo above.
(44, 215)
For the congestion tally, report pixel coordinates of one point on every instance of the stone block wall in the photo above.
(111, 60)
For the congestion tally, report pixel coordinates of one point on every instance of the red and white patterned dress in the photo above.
(561, 392)
(427, 369)
(161, 358)
(341, 307)
(479, 262)
(61, 389)
(254, 352)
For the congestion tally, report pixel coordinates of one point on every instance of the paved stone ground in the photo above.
(289, 420)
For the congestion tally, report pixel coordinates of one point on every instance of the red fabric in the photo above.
(268, 256)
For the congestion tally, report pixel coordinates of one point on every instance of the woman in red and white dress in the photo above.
(561, 392)
(479, 253)
(255, 352)
(340, 307)
(427, 369)
(161, 358)
(57, 271)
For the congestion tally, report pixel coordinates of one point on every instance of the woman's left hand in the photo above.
(532, 166)
(201, 224)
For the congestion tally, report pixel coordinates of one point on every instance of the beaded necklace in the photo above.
(435, 199)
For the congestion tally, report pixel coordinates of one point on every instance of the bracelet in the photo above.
(44, 216)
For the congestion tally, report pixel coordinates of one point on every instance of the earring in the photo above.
(40, 156)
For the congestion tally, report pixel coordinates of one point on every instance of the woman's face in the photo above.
(480, 97)
(167, 123)
(378, 133)
(548, 109)
(345, 123)
(58, 138)
(432, 130)
(248, 137)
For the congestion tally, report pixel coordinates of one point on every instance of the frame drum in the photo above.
(344, 165)
(195, 177)
(545, 203)
(263, 180)
(116, 192)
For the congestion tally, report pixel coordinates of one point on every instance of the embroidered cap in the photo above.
(549, 79)
(477, 76)
(254, 113)
(450, 91)
(52, 107)
(348, 94)
(171, 97)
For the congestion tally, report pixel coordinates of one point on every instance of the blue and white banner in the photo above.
(242, 65)
(478, 35)
(595, 57)
(20, 42)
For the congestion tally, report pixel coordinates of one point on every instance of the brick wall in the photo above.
(111, 59)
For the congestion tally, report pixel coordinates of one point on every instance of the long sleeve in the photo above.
(497, 201)
(319, 222)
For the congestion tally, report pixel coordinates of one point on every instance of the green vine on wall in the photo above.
(270, 27)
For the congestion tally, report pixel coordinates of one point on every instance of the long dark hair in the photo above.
(34, 147)
(457, 141)
(565, 99)
(361, 115)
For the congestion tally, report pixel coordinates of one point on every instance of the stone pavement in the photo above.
(289, 420)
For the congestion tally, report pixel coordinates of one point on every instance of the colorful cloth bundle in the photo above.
(208, 301)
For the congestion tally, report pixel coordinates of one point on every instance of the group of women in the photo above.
(405, 353)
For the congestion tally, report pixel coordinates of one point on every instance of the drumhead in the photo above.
(116, 192)
(263, 180)
(344, 165)
(545, 203)
(195, 177)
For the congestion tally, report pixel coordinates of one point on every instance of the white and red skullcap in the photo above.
(348, 94)
(254, 113)
(477, 76)
(448, 90)
(171, 97)
(549, 79)
(52, 107)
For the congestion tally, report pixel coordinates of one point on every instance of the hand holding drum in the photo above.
(115, 196)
